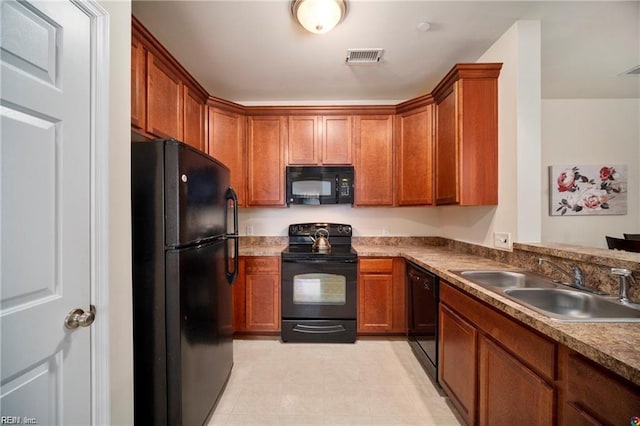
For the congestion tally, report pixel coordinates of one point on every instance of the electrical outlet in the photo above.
(249, 230)
(502, 240)
(385, 230)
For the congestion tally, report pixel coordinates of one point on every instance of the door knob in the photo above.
(79, 318)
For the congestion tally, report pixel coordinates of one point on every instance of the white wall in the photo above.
(518, 212)
(591, 131)
(120, 310)
(366, 221)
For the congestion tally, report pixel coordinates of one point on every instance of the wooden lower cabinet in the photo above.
(498, 371)
(508, 391)
(381, 296)
(257, 295)
(457, 367)
(238, 296)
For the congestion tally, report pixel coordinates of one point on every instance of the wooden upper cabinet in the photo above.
(266, 139)
(193, 119)
(227, 144)
(303, 147)
(138, 84)
(373, 139)
(414, 157)
(336, 139)
(319, 140)
(446, 152)
(164, 102)
(466, 151)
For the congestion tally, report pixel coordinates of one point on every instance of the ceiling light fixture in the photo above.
(319, 16)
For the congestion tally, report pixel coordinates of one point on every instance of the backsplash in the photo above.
(399, 241)
(264, 241)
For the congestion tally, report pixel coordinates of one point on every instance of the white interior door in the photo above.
(45, 165)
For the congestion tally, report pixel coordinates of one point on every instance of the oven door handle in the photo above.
(310, 329)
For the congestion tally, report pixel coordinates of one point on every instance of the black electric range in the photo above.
(319, 289)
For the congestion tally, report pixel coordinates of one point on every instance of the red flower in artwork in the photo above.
(566, 181)
(606, 173)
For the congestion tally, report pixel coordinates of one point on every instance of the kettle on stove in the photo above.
(321, 241)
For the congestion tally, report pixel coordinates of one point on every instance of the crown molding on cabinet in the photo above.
(156, 48)
(466, 72)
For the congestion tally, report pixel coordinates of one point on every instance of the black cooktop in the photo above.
(304, 252)
(301, 237)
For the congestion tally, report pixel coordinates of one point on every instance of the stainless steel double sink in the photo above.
(558, 301)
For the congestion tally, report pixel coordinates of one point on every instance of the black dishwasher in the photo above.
(423, 295)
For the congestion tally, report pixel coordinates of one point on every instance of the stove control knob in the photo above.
(345, 229)
(300, 228)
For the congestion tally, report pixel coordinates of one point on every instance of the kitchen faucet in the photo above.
(576, 273)
(624, 274)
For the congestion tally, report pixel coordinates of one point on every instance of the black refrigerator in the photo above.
(185, 254)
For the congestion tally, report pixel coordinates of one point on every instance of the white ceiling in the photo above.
(254, 52)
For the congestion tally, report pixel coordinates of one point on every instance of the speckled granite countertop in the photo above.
(615, 346)
(262, 246)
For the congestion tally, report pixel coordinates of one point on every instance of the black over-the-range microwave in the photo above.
(315, 185)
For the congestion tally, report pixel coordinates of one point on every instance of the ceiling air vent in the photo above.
(363, 56)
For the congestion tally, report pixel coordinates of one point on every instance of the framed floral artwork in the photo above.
(588, 190)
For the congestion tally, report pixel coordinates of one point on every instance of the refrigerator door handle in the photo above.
(230, 195)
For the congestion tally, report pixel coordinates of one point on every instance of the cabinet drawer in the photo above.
(384, 266)
(534, 350)
(597, 395)
(262, 264)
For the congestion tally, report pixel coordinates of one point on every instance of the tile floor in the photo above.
(371, 382)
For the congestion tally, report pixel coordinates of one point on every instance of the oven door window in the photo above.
(319, 289)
